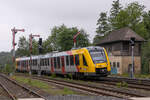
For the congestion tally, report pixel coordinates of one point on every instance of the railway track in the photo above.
(15, 90)
(131, 83)
(92, 89)
(138, 81)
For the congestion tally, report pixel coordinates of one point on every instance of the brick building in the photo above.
(117, 44)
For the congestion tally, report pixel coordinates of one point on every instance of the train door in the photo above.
(67, 67)
(83, 63)
(52, 65)
(63, 64)
(72, 66)
(77, 63)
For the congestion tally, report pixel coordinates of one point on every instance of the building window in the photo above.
(114, 64)
(118, 64)
(125, 46)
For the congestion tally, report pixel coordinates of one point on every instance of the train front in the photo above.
(100, 59)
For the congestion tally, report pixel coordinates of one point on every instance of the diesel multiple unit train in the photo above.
(87, 61)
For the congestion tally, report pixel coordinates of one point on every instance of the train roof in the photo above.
(55, 54)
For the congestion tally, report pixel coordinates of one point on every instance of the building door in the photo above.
(114, 68)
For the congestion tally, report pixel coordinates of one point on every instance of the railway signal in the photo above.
(14, 32)
(40, 45)
(74, 39)
(30, 46)
(132, 41)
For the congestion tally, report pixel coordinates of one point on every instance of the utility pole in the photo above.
(74, 39)
(30, 47)
(132, 40)
(14, 32)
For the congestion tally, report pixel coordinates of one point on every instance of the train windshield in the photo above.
(98, 56)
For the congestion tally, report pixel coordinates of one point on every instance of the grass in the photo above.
(122, 84)
(44, 86)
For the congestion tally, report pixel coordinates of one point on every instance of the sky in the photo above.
(40, 16)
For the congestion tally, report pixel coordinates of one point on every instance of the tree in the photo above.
(103, 26)
(97, 38)
(146, 21)
(61, 38)
(114, 11)
(35, 47)
(131, 17)
(47, 47)
(145, 57)
(23, 47)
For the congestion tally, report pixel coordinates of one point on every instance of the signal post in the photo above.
(14, 32)
(30, 47)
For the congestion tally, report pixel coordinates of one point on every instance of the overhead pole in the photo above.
(14, 32)
(30, 47)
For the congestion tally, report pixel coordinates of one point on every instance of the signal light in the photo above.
(132, 40)
(40, 45)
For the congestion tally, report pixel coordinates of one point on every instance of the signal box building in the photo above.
(117, 44)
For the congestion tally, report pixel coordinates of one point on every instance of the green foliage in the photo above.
(23, 47)
(146, 21)
(67, 91)
(132, 16)
(146, 57)
(5, 58)
(70, 76)
(118, 84)
(62, 38)
(103, 26)
(8, 69)
(122, 84)
(114, 11)
(53, 75)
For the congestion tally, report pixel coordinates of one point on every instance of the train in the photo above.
(88, 61)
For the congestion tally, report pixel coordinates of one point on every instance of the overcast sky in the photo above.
(40, 16)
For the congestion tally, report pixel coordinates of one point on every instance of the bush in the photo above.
(8, 69)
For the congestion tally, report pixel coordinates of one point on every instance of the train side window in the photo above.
(71, 60)
(36, 62)
(62, 61)
(43, 62)
(77, 60)
(47, 61)
(84, 61)
(52, 62)
(67, 60)
(58, 62)
(55, 62)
